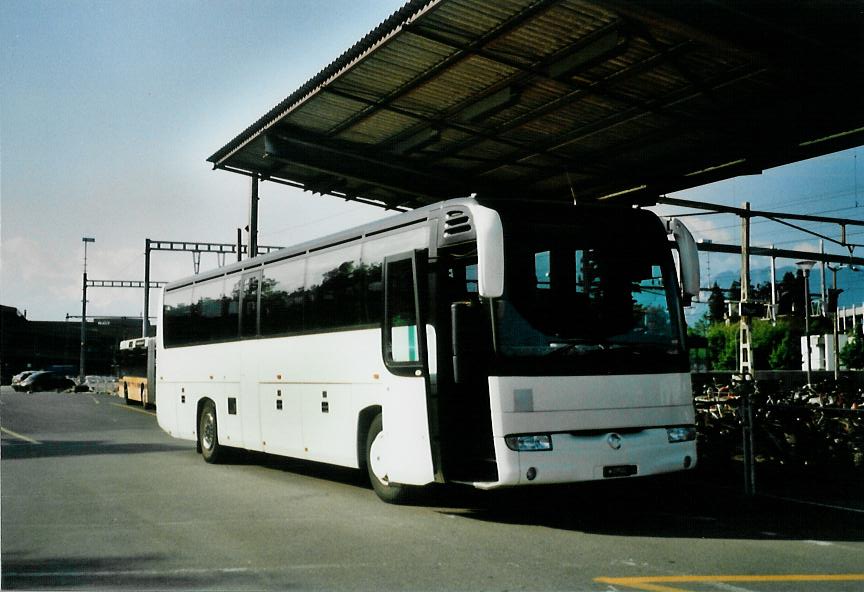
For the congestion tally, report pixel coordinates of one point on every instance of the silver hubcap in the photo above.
(207, 431)
(376, 459)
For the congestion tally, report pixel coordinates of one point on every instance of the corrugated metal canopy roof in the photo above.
(550, 99)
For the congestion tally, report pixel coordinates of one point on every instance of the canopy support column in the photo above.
(253, 219)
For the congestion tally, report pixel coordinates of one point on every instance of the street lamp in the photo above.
(85, 240)
(805, 267)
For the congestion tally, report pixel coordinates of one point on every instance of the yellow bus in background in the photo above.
(137, 361)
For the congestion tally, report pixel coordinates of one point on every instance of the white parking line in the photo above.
(811, 503)
(136, 409)
(184, 571)
(19, 436)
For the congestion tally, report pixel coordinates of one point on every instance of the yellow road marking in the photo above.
(655, 583)
(637, 584)
(136, 409)
(19, 436)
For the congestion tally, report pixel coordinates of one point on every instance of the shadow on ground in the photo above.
(121, 573)
(691, 506)
(703, 504)
(15, 449)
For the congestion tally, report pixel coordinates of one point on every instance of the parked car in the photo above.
(44, 380)
(16, 380)
(96, 384)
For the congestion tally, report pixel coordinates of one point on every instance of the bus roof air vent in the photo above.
(456, 222)
(456, 226)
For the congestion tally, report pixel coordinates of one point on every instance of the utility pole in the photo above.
(745, 365)
(145, 322)
(824, 283)
(833, 296)
(746, 354)
(805, 267)
(82, 360)
(773, 289)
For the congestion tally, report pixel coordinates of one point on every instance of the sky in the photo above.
(109, 110)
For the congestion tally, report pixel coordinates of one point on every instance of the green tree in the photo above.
(852, 354)
(716, 304)
(790, 294)
(735, 291)
(722, 346)
(776, 346)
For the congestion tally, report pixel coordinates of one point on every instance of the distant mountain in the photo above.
(851, 283)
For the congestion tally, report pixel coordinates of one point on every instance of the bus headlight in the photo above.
(681, 434)
(529, 443)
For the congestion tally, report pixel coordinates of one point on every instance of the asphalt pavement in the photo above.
(96, 496)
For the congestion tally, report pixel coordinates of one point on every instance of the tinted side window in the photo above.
(282, 295)
(249, 305)
(230, 323)
(374, 252)
(333, 289)
(208, 311)
(177, 317)
(373, 292)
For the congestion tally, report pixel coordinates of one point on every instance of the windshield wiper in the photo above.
(644, 346)
(584, 346)
(562, 346)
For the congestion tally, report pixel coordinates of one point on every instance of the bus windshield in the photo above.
(578, 299)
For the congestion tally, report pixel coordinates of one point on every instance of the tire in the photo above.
(392, 493)
(208, 435)
(126, 392)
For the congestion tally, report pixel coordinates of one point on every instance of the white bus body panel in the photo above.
(599, 405)
(323, 382)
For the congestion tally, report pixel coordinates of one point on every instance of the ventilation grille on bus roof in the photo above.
(456, 222)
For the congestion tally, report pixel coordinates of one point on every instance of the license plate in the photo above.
(619, 471)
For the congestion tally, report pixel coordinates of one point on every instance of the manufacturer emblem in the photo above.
(614, 441)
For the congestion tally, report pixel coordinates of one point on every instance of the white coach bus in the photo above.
(453, 343)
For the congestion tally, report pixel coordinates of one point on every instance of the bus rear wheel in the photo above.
(208, 437)
(376, 466)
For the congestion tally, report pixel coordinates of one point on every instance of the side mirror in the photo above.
(688, 257)
(466, 339)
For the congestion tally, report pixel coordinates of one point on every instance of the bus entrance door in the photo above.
(465, 418)
(404, 415)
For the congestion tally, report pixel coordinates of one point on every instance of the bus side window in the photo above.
(178, 317)
(231, 308)
(401, 340)
(249, 305)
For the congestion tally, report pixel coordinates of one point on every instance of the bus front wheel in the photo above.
(376, 465)
(208, 438)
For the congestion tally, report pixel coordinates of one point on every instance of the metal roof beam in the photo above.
(632, 114)
(431, 123)
(571, 97)
(358, 166)
(456, 56)
(317, 186)
(559, 67)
